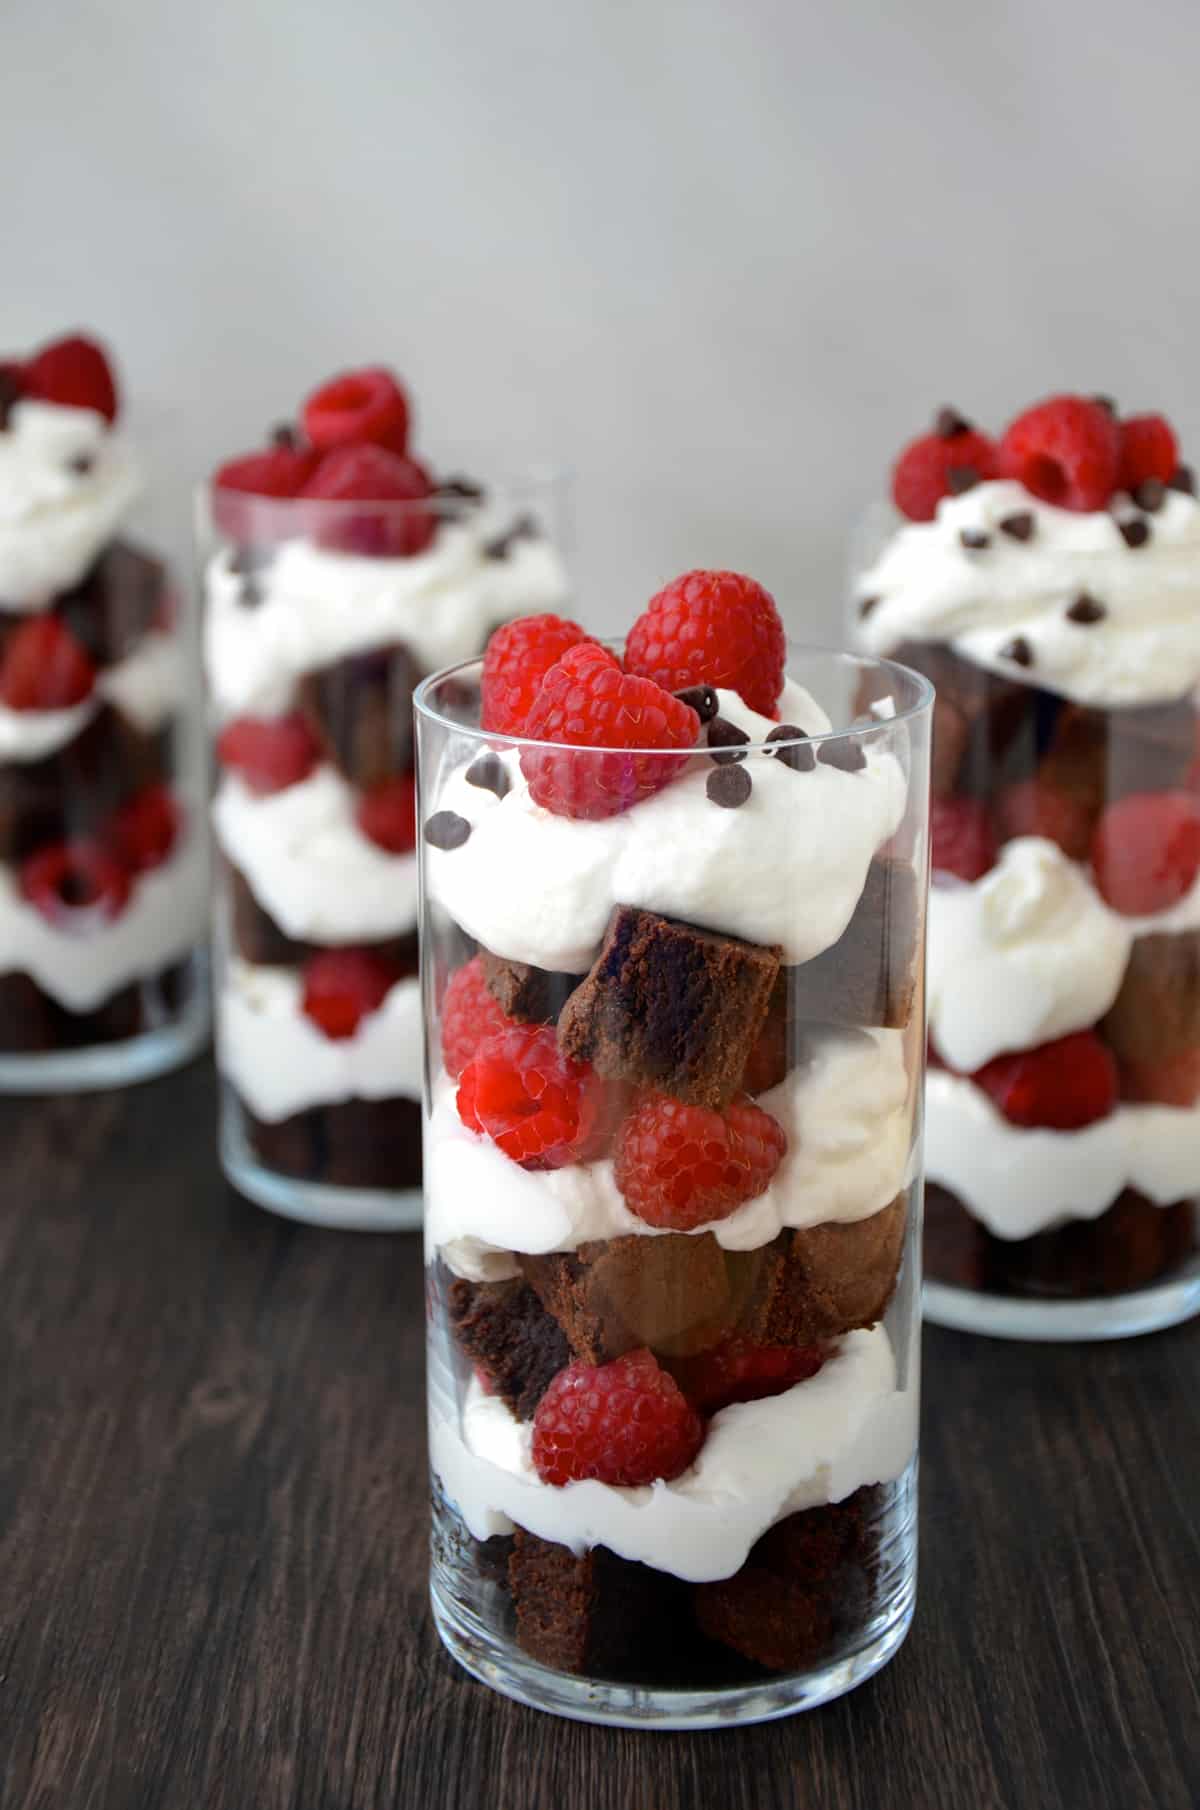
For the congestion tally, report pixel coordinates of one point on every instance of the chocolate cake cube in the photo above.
(509, 1336)
(360, 710)
(355, 1144)
(532, 995)
(676, 1293)
(826, 1280)
(671, 1006)
(73, 791)
(869, 975)
(115, 606)
(596, 1614)
(990, 722)
(1156, 1014)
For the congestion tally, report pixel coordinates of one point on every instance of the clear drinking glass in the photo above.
(615, 1007)
(321, 617)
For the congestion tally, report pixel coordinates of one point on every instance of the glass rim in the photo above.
(541, 477)
(857, 730)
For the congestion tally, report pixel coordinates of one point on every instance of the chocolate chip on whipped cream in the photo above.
(1019, 526)
(524, 528)
(488, 773)
(1183, 478)
(844, 753)
(867, 605)
(1149, 495)
(974, 540)
(1018, 651)
(446, 830)
(798, 755)
(1134, 533)
(1086, 610)
(702, 699)
(726, 741)
(729, 786)
(948, 424)
(961, 478)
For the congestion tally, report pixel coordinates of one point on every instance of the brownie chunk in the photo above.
(671, 1006)
(507, 1333)
(1156, 1014)
(827, 1279)
(983, 724)
(120, 600)
(356, 1144)
(73, 791)
(360, 710)
(869, 975)
(596, 1613)
(533, 995)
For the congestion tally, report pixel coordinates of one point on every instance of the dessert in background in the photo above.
(672, 1188)
(102, 875)
(339, 571)
(1048, 582)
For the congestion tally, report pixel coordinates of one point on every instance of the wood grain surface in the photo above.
(212, 1537)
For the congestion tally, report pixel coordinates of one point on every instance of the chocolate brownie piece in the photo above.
(869, 975)
(32, 1022)
(984, 725)
(258, 938)
(360, 709)
(826, 1280)
(1156, 1013)
(534, 995)
(671, 1006)
(596, 1613)
(356, 1144)
(120, 600)
(73, 791)
(507, 1333)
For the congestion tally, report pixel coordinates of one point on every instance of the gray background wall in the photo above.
(723, 257)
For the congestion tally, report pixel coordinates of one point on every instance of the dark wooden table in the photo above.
(212, 1526)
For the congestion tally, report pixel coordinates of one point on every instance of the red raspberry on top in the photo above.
(282, 471)
(517, 659)
(469, 1016)
(540, 1108)
(1031, 807)
(43, 667)
(962, 839)
(586, 701)
(145, 829)
(387, 814)
(372, 474)
(712, 628)
(739, 1370)
(1062, 1085)
(77, 886)
(270, 753)
(1149, 449)
(680, 1166)
(924, 472)
(74, 372)
(625, 1423)
(356, 407)
(1146, 851)
(341, 986)
(1065, 450)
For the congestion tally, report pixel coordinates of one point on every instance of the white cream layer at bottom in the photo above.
(280, 1062)
(1019, 1180)
(847, 1426)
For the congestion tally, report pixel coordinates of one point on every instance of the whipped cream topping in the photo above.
(1019, 1180)
(309, 865)
(162, 923)
(1146, 649)
(847, 1426)
(66, 482)
(847, 1114)
(280, 1062)
(788, 867)
(317, 606)
(147, 687)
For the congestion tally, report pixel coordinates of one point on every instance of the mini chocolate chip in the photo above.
(961, 478)
(724, 739)
(447, 830)
(1106, 403)
(10, 392)
(285, 436)
(974, 539)
(251, 593)
(948, 424)
(703, 700)
(799, 756)
(488, 772)
(1018, 651)
(1183, 478)
(466, 488)
(1019, 526)
(867, 605)
(846, 756)
(1135, 533)
(81, 464)
(729, 786)
(1150, 495)
(1086, 610)
(524, 528)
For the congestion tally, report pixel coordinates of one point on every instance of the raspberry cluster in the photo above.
(73, 372)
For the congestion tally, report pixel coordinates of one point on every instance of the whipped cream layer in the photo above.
(280, 1062)
(67, 480)
(317, 606)
(1019, 1180)
(147, 687)
(309, 865)
(847, 1426)
(847, 1113)
(788, 867)
(929, 587)
(161, 924)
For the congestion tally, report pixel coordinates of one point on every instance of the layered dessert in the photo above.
(1048, 582)
(102, 882)
(675, 1044)
(340, 572)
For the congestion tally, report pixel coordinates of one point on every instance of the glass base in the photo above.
(316, 1203)
(1104, 1317)
(118, 1064)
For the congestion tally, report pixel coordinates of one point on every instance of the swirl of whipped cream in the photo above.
(788, 867)
(928, 586)
(66, 482)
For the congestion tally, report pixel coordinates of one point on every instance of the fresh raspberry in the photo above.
(1066, 451)
(469, 1016)
(586, 701)
(625, 1423)
(74, 372)
(921, 476)
(372, 474)
(43, 667)
(962, 838)
(357, 407)
(1146, 851)
(387, 814)
(270, 753)
(342, 985)
(283, 471)
(739, 1370)
(1149, 449)
(1034, 808)
(540, 1108)
(77, 886)
(1175, 1082)
(682, 1166)
(145, 829)
(517, 659)
(712, 628)
(1062, 1085)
